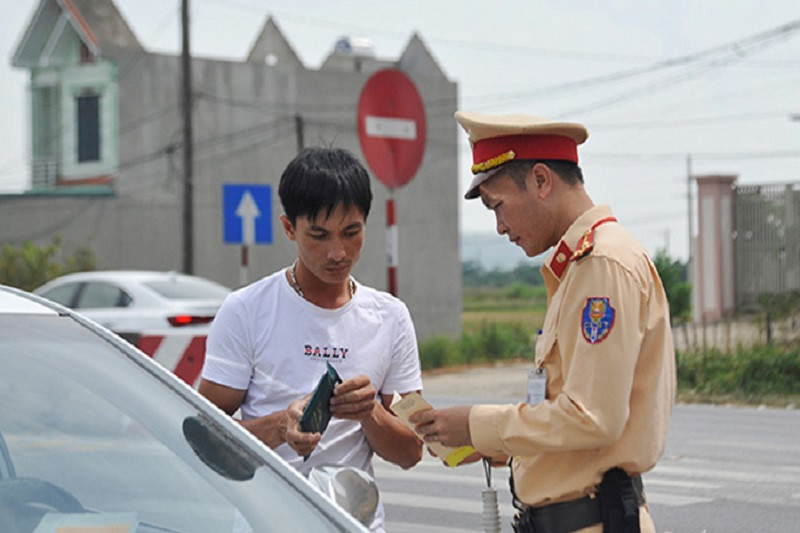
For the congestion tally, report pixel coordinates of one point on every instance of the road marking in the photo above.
(761, 446)
(745, 477)
(673, 500)
(442, 503)
(796, 495)
(431, 476)
(406, 527)
(649, 482)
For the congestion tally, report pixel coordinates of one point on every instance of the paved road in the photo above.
(726, 469)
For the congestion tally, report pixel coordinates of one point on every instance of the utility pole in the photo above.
(689, 198)
(299, 126)
(186, 102)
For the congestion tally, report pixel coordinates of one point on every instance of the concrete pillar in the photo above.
(715, 281)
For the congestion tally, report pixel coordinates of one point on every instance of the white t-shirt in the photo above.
(270, 341)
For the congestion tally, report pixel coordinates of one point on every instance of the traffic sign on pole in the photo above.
(392, 133)
(247, 219)
(247, 214)
(391, 127)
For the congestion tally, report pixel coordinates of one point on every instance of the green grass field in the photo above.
(500, 324)
(524, 306)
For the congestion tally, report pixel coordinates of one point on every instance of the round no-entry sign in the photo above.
(391, 127)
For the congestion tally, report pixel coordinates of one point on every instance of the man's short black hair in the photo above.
(321, 179)
(569, 172)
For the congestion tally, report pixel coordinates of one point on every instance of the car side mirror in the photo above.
(217, 451)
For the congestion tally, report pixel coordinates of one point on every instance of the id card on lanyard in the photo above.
(537, 380)
(537, 385)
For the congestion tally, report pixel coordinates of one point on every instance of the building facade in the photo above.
(107, 153)
(747, 247)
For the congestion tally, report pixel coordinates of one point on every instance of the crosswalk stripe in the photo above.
(430, 476)
(674, 500)
(406, 527)
(651, 481)
(747, 477)
(442, 503)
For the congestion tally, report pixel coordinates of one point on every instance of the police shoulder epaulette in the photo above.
(585, 245)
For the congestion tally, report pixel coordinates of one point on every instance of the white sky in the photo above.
(730, 110)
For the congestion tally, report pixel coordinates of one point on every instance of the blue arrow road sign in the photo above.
(247, 214)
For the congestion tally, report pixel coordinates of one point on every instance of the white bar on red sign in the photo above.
(391, 128)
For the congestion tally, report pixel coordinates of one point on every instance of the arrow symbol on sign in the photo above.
(248, 212)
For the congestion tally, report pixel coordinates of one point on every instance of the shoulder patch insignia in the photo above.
(597, 320)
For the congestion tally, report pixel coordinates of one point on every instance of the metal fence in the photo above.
(767, 241)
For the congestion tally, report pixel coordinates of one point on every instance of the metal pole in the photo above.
(243, 266)
(391, 244)
(689, 260)
(186, 101)
(691, 223)
(300, 131)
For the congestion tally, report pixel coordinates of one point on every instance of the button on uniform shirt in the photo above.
(606, 345)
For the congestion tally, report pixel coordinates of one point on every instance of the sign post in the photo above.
(392, 132)
(247, 219)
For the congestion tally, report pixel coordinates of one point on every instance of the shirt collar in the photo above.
(557, 261)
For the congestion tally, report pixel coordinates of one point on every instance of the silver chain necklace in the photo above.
(298, 290)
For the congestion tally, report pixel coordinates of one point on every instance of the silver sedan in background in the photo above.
(131, 301)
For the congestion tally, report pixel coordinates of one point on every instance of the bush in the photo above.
(492, 342)
(437, 352)
(746, 375)
(30, 266)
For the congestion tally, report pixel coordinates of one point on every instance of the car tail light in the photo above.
(189, 320)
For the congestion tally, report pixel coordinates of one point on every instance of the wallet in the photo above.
(317, 413)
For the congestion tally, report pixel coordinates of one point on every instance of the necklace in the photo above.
(298, 290)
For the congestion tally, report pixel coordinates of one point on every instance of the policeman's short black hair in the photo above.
(569, 172)
(320, 179)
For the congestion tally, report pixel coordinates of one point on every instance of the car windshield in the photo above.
(93, 436)
(188, 289)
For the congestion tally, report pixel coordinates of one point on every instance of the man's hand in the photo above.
(354, 399)
(448, 426)
(301, 442)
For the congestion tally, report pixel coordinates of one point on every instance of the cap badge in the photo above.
(493, 162)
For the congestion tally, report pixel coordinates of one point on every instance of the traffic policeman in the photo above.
(601, 390)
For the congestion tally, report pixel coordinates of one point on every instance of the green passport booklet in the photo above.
(317, 413)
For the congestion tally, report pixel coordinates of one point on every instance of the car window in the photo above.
(188, 289)
(63, 294)
(89, 438)
(102, 295)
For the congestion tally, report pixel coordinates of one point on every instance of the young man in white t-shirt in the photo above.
(270, 340)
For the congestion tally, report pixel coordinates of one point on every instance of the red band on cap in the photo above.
(526, 147)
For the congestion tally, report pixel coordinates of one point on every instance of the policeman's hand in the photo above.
(303, 443)
(354, 399)
(448, 426)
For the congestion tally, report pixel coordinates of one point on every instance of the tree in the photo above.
(777, 307)
(30, 266)
(679, 291)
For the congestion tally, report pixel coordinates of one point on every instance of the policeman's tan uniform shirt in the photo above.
(606, 346)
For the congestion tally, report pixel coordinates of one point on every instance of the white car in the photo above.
(132, 301)
(95, 436)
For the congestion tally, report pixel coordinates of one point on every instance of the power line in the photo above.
(730, 52)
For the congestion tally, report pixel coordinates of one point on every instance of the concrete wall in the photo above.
(245, 132)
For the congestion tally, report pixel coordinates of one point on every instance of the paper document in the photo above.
(405, 406)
